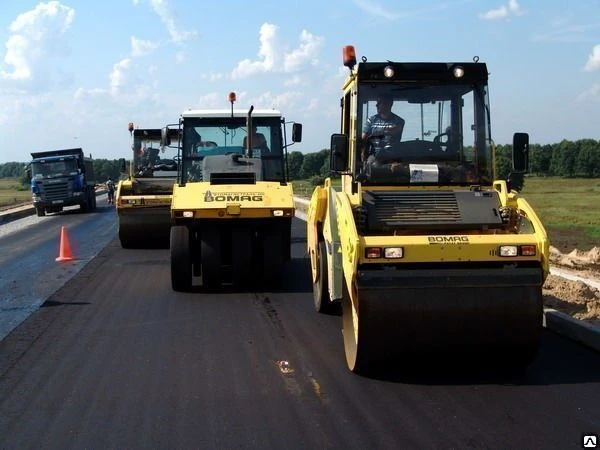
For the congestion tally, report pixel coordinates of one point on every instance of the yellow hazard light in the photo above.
(373, 252)
(508, 250)
(349, 56)
(232, 97)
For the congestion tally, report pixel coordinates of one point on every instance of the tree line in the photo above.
(565, 159)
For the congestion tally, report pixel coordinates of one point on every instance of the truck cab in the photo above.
(61, 178)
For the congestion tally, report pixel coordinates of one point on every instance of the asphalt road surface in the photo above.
(116, 359)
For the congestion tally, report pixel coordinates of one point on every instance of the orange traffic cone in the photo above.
(65, 247)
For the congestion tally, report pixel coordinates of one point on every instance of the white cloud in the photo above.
(592, 92)
(82, 93)
(273, 58)
(313, 105)
(296, 80)
(179, 58)
(375, 9)
(118, 74)
(284, 101)
(306, 52)
(34, 43)
(593, 62)
(209, 101)
(140, 47)
(212, 76)
(504, 11)
(161, 8)
(267, 54)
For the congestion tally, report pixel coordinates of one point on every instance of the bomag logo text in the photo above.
(233, 197)
(448, 239)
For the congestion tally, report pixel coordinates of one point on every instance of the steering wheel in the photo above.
(443, 143)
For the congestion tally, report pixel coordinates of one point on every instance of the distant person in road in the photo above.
(110, 187)
(385, 124)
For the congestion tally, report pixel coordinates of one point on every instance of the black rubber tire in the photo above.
(273, 257)
(241, 256)
(320, 288)
(181, 258)
(41, 212)
(210, 255)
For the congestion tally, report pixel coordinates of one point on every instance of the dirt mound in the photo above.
(576, 259)
(572, 297)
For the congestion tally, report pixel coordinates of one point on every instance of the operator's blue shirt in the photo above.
(377, 125)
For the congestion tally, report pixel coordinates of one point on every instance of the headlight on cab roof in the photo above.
(188, 214)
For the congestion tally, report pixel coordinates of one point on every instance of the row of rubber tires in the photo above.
(203, 254)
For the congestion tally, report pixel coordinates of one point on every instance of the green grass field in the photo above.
(10, 193)
(569, 209)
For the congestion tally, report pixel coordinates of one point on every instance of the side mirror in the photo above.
(339, 153)
(28, 172)
(520, 153)
(122, 165)
(165, 138)
(297, 132)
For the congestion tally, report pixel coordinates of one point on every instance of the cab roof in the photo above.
(224, 113)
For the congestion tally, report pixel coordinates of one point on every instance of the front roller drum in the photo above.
(493, 316)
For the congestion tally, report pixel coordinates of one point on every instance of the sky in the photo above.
(74, 73)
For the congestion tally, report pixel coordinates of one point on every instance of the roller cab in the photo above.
(143, 198)
(232, 205)
(427, 254)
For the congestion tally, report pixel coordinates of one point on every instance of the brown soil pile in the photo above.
(575, 298)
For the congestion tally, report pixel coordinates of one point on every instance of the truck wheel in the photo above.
(40, 211)
(181, 258)
(320, 287)
(210, 255)
(273, 253)
(241, 257)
